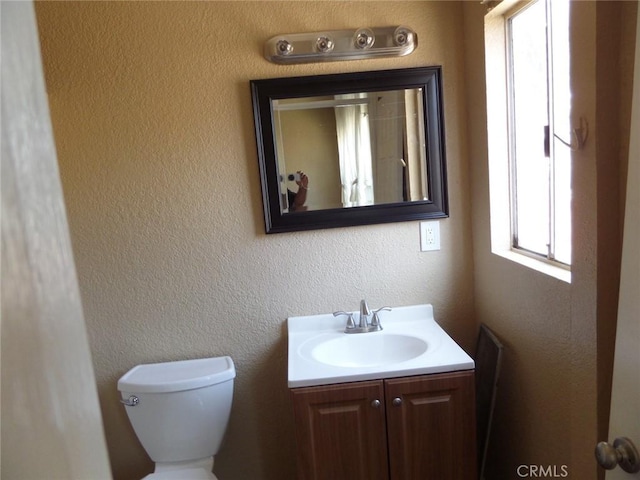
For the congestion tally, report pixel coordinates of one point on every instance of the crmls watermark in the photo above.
(542, 471)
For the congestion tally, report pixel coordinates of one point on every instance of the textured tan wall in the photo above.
(557, 335)
(153, 122)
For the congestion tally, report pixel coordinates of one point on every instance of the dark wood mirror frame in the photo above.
(265, 91)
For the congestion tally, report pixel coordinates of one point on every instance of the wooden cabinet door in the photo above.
(340, 432)
(431, 427)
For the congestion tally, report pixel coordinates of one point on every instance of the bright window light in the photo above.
(539, 103)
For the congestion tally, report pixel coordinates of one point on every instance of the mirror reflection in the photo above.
(350, 150)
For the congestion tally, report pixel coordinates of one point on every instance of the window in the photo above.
(538, 105)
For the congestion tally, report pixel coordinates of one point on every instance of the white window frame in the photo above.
(499, 144)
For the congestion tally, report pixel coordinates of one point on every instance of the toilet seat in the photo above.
(185, 474)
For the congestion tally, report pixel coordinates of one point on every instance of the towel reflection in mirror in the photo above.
(354, 151)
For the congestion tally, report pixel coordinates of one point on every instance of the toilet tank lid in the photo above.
(177, 376)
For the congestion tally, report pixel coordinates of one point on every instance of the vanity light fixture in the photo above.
(328, 46)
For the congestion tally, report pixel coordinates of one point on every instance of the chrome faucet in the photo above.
(364, 325)
(364, 314)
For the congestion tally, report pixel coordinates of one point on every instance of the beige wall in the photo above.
(556, 372)
(152, 116)
(154, 130)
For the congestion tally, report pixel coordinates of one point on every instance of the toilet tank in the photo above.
(183, 407)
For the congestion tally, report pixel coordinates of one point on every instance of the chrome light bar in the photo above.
(335, 45)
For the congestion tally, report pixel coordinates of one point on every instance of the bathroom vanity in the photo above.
(395, 404)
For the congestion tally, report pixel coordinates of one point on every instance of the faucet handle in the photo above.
(350, 321)
(375, 321)
(381, 309)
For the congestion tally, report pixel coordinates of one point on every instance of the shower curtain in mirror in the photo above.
(354, 149)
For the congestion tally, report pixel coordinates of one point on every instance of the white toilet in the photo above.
(179, 411)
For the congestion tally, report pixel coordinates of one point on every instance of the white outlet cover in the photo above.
(429, 236)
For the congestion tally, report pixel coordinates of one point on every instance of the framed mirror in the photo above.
(351, 149)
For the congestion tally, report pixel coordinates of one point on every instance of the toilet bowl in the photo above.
(180, 411)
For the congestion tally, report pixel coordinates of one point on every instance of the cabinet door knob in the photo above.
(623, 453)
(376, 403)
(397, 402)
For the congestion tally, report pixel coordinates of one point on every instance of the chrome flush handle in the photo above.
(132, 401)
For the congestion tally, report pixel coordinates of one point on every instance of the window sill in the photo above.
(538, 265)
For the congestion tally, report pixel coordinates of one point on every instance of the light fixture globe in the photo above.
(364, 38)
(403, 36)
(324, 44)
(284, 47)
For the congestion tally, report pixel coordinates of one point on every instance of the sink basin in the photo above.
(411, 343)
(368, 350)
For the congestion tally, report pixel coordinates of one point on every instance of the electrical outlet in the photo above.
(429, 236)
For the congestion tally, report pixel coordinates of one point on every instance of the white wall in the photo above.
(51, 424)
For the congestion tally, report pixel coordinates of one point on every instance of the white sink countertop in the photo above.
(411, 343)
